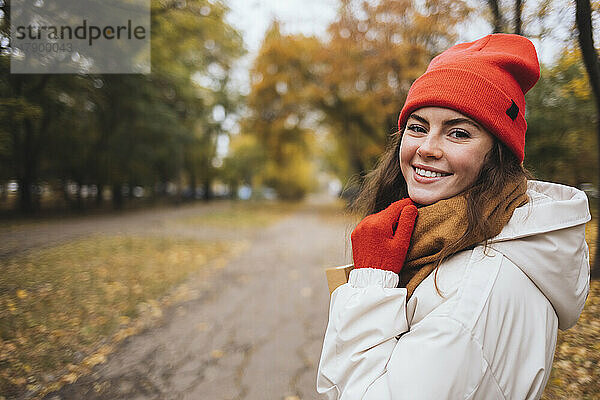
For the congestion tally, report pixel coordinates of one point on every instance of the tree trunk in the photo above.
(518, 20)
(583, 17)
(28, 168)
(117, 196)
(496, 15)
(66, 194)
(25, 195)
(79, 198)
(358, 166)
(99, 198)
(192, 183)
(206, 185)
(28, 140)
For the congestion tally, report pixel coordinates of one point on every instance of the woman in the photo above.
(460, 286)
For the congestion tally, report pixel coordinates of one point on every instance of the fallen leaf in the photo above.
(69, 378)
(216, 353)
(94, 359)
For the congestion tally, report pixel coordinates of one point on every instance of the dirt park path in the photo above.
(254, 332)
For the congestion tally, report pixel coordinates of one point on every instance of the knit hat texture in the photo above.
(486, 80)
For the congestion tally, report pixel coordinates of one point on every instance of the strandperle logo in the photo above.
(80, 36)
(82, 32)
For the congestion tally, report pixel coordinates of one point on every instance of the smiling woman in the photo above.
(464, 267)
(441, 154)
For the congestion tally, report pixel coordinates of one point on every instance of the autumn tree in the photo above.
(374, 53)
(280, 115)
(350, 86)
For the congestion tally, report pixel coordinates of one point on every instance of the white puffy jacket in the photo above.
(491, 336)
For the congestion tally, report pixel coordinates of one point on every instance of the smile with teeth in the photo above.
(429, 174)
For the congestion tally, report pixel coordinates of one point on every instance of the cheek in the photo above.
(406, 152)
(470, 165)
(404, 157)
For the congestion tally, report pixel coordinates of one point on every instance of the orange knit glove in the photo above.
(374, 242)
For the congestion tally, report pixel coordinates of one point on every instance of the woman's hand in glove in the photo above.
(381, 240)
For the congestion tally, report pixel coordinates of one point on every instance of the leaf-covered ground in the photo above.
(64, 308)
(58, 305)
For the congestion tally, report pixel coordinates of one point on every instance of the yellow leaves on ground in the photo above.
(98, 357)
(591, 230)
(575, 371)
(69, 378)
(58, 303)
(10, 306)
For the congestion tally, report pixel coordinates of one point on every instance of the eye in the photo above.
(460, 134)
(416, 128)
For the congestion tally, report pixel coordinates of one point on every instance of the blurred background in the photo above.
(117, 192)
(251, 98)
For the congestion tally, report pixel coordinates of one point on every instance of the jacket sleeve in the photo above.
(370, 354)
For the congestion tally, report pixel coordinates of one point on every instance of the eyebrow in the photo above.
(448, 122)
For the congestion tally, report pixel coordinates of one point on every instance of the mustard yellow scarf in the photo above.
(445, 222)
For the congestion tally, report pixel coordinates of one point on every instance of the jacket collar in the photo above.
(551, 207)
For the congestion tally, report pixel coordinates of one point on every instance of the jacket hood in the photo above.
(551, 248)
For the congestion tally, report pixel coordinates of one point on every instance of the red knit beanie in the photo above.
(486, 80)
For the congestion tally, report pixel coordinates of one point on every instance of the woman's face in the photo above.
(441, 153)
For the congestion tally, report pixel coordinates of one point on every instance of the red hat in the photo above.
(486, 80)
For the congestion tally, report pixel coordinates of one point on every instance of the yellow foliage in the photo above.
(580, 86)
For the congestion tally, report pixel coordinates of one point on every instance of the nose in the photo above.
(430, 147)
